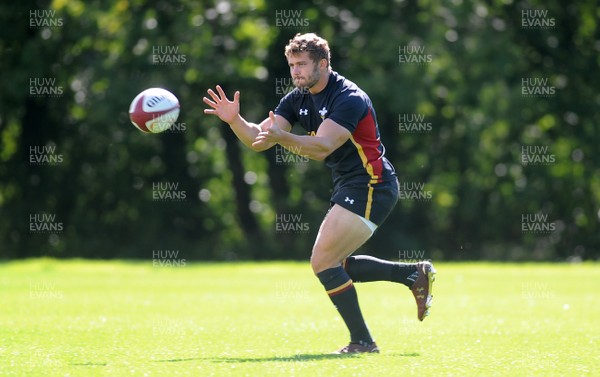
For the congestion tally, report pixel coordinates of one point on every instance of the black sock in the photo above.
(364, 268)
(342, 293)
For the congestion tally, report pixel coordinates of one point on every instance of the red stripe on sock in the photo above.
(341, 289)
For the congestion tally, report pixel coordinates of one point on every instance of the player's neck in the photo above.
(321, 84)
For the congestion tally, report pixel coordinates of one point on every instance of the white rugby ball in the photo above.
(154, 110)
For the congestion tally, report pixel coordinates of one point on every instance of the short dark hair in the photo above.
(317, 47)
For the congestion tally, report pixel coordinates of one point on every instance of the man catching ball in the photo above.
(342, 130)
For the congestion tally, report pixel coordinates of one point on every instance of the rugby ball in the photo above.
(154, 110)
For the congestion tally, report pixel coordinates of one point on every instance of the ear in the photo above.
(323, 63)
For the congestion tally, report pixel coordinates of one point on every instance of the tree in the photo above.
(464, 93)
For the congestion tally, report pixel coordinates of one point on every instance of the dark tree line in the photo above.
(488, 112)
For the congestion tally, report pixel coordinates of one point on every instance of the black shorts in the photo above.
(374, 202)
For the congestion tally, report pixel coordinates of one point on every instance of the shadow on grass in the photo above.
(290, 358)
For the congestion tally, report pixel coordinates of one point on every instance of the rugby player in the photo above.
(342, 130)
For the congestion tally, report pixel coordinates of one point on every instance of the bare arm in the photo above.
(229, 112)
(329, 137)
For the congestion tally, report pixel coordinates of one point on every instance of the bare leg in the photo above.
(341, 233)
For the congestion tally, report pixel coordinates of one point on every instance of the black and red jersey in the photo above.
(359, 160)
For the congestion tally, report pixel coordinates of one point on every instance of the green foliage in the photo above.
(471, 92)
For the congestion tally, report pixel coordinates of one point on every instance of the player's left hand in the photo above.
(271, 136)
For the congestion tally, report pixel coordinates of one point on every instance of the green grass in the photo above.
(82, 318)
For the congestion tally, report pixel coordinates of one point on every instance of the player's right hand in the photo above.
(269, 137)
(222, 107)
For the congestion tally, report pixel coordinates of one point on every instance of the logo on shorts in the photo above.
(303, 112)
(348, 200)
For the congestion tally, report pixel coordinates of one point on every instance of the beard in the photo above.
(309, 81)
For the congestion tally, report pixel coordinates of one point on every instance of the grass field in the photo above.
(82, 318)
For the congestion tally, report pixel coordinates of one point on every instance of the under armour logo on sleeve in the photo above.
(348, 200)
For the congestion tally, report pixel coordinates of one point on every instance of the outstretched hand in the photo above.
(270, 136)
(222, 107)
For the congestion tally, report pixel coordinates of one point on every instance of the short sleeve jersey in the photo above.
(361, 159)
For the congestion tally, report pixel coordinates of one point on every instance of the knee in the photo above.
(316, 263)
(321, 261)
